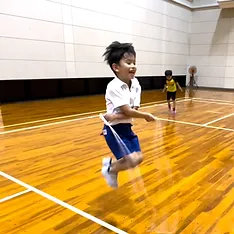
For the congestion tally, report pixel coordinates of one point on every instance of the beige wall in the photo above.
(203, 2)
(212, 47)
(66, 38)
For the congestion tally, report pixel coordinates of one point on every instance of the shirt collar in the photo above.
(121, 83)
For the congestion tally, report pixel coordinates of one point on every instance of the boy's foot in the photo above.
(106, 162)
(111, 178)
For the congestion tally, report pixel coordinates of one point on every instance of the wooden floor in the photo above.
(51, 154)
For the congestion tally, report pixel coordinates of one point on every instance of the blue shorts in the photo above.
(130, 139)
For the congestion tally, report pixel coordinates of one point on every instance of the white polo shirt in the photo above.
(119, 94)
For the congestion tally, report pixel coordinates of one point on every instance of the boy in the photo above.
(122, 102)
(171, 89)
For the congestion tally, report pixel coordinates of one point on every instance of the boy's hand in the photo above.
(149, 117)
(164, 89)
(181, 90)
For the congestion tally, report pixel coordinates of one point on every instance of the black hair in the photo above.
(168, 73)
(116, 50)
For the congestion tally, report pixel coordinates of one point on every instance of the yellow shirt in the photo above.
(171, 85)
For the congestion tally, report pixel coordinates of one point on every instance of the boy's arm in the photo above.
(177, 83)
(127, 113)
(120, 101)
(138, 98)
(165, 87)
(132, 113)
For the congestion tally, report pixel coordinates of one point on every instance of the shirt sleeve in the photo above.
(137, 101)
(117, 98)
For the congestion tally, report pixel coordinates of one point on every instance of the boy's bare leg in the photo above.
(169, 104)
(125, 163)
(174, 106)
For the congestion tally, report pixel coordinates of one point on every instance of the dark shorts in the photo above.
(126, 136)
(171, 95)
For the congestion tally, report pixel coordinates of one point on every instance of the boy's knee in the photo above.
(129, 161)
(133, 160)
(139, 159)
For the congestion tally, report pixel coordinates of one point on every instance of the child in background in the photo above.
(171, 86)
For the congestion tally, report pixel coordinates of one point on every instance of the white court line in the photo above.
(213, 112)
(75, 115)
(220, 103)
(64, 204)
(178, 121)
(50, 124)
(220, 128)
(14, 195)
(95, 116)
(94, 112)
(221, 118)
(45, 120)
(215, 100)
(198, 125)
(162, 102)
(71, 120)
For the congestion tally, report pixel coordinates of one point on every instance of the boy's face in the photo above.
(169, 77)
(126, 69)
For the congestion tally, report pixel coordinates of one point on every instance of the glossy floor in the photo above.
(50, 180)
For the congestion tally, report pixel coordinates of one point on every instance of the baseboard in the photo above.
(39, 89)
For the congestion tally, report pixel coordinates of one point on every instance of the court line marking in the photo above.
(80, 114)
(94, 112)
(71, 120)
(195, 124)
(215, 100)
(220, 103)
(95, 116)
(64, 204)
(213, 112)
(162, 102)
(178, 121)
(49, 124)
(220, 128)
(221, 118)
(45, 120)
(14, 195)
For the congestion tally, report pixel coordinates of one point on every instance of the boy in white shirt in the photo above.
(122, 102)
